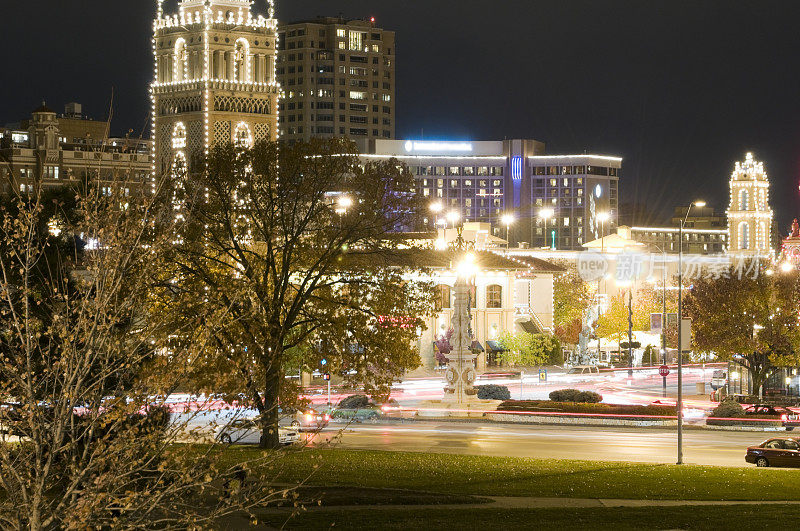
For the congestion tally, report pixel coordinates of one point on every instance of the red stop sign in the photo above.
(663, 370)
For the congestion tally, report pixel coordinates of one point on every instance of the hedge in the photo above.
(574, 395)
(545, 406)
(493, 392)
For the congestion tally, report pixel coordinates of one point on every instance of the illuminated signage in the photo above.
(413, 146)
(516, 168)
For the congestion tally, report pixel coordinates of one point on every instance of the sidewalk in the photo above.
(512, 502)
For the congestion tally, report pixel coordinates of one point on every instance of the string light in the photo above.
(749, 214)
(178, 71)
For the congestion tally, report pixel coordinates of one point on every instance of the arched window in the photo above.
(743, 199)
(243, 137)
(181, 63)
(494, 296)
(744, 236)
(443, 299)
(241, 61)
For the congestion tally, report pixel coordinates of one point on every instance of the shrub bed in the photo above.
(493, 392)
(772, 422)
(573, 395)
(729, 413)
(545, 406)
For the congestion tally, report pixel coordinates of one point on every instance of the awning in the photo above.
(495, 346)
(477, 347)
(529, 327)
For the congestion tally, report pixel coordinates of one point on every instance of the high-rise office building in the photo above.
(214, 79)
(338, 77)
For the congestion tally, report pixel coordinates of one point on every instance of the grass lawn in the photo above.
(503, 476)
(740, 517)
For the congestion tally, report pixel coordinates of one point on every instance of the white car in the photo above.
(245, 431)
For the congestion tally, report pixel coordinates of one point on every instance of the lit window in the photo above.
(341, 33)
(442, 297)
(494, 296)
(356, 95)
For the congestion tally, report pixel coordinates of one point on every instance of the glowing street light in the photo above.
(436, 207)
(545, 214)
(344, 202)
(453, 217)
(787, 267)
(467, 267)
(508, 220)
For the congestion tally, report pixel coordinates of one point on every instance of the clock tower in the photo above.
(214, 79)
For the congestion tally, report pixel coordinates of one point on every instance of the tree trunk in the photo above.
(269, 417)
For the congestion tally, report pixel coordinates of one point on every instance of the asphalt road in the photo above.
(562, 442)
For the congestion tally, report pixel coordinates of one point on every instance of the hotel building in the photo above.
(485, 181)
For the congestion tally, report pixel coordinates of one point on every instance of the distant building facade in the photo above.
(485, 181)
(749, 214)
(338, 76)
(214, 79)
(54, 150)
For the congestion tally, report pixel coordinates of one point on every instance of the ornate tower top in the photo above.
(749, 170)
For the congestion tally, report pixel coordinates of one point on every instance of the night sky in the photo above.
(680, 89)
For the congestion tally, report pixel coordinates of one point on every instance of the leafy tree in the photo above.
(571, 297)
(751, 320)
(295, 248)
(525, 349)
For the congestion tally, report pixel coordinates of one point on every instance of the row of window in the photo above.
(342, 118)
(327, 56)
(575, 170)
(329, 130)
(444, 297)
(354, 107)
(353, 95)
(458, 170)
(340, 32)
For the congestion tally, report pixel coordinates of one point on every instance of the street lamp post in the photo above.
(545, 214)
(436, 207)
(698, 204)
(508, 219)
(602, 217)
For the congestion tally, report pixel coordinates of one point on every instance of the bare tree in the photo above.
(85, 443)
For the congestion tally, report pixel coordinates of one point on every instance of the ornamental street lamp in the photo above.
(698, 204)
(436, 207)
(545, 214)
(507, 220)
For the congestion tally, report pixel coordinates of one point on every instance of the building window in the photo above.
(743, 199)
(744, 236)
(494, 296)
(442, 297)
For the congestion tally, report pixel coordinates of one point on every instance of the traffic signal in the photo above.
(326, 376)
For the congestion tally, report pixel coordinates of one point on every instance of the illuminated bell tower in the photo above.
(214, 79)
(749, 215)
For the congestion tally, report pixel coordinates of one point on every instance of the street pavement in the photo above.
(646, 445)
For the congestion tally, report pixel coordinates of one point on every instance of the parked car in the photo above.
(584, 369)
(780, 451)
(789, 419)
(246, 431)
